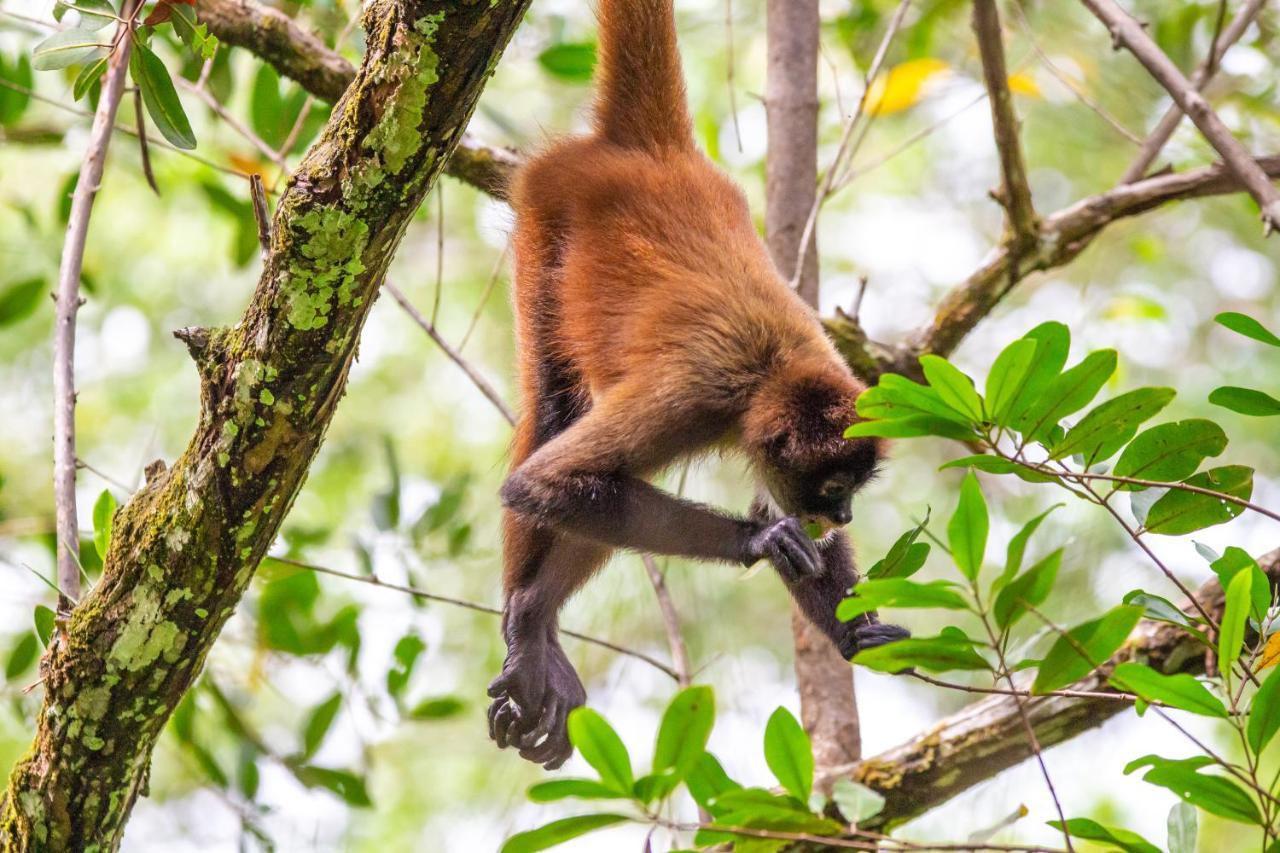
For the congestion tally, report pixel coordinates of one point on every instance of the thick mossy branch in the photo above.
(183, 550)
(987, 737)
(326, 74)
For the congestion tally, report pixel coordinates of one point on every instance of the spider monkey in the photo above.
(652, 325)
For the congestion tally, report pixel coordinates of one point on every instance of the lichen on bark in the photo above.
(185, 547)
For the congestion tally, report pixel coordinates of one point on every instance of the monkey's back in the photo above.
(631, 263)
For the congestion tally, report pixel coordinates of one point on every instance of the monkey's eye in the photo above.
(833, 489)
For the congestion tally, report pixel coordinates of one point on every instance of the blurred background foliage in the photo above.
(338, 715)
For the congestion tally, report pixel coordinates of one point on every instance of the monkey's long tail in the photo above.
(641, 101)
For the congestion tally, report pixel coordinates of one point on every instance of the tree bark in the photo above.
(185, 547)
(825, 681)
(295, 53)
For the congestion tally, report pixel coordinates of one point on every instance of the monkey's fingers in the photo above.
(878, 634)
(800, 555)
(504, 720)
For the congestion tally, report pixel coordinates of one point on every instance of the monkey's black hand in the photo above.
(864, 633)
(785, 544)
(532, 699)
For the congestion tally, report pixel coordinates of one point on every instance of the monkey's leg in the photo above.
(538, 687)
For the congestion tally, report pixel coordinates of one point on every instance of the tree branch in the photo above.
(1126, 31)
(1015, 193)
(185, 547)
(1169, 122)
(823, 679)
(67, 304)
(986, 738)
(297, 54)
(1064, 235)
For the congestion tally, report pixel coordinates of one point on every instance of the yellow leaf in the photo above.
(1024, 84)
(903, 85)
(1270, 652)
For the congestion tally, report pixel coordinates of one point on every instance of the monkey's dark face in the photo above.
(823, 495)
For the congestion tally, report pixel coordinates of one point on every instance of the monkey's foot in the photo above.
(532, 699)
(865, 634)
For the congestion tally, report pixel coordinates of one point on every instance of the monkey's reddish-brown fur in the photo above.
(639, 270)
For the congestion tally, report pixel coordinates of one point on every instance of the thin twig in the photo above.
(235, 123)
(1125, 30)
(998, 691)
(670, 621)
(1015, 192)
(729, 72)
(1066, 80)
(474, 375)
(435, 301)
(128, 131)
(471, 605)
(484, 297)
(68, 304)
(119, 484)
(844, 150)
(1169, 122)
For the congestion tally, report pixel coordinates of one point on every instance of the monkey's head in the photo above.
(794, 435)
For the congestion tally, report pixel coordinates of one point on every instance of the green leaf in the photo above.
(1235, 560)
(94, 14)
(936, 654)
(1018, 547)
(1264, 713)
(405, 656)
(788, 754)
(1008, 373)
(856, 802)
(160, 98)
(19, 301)
(44, 620)
(911, 427)
(1245, 401)
(68, 47)
(708, 781)
(955, 389)
(1053, 340)
(438, 708)
(104, 510)
(582, 789)
(998, 465)
(1247, 326)
(1160, 609)
(1121, 839)
(900, 592)
(905, 558)
(318, 723)
(14, 103)
(897, 396)
(1069, 392)
(24, 654)
(344, 783)
(569, 61)
(1171, 452)
(88, 75)
(1181, 512)
(1212, 793)
(1183, 828)
(1235, 618)
(1030, 588)
(682, 736)
(967, 531)
(601, 748)
(1107, 428)
(1084, 648)
(1179, 690)
(558, 832)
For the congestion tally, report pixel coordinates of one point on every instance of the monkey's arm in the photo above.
(585, 482)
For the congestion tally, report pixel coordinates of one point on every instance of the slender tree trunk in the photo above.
(825, 681)
(185, 547)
